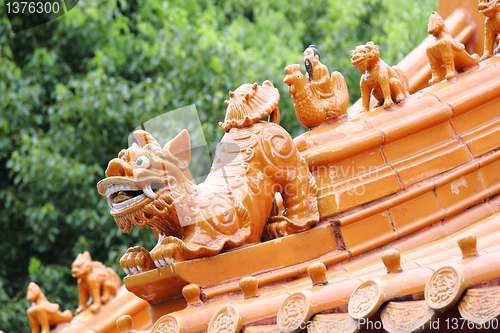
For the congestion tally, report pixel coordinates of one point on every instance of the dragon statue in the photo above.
(491, 9)
(388, 84)
(148, 185)
(309, 109)
(446, 51)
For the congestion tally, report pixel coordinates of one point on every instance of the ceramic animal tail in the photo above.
(309, 109)
(42, 312)
(491, 9)
(387, 83)
(446, 51)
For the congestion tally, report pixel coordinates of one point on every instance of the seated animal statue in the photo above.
(93, 277)
(491, 9)
(148, 185)
(388, 84)
(42, 312)
(446, 51)
(319, 96)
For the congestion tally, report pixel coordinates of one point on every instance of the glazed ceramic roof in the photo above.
(415, 168)
(430, 164)
(414, 179)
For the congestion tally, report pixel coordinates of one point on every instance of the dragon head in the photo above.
(488, 7)
(141, 183)
(294, 78)
(364, 56)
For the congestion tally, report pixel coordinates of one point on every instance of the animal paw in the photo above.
(486, 56)
(388, 104)
(450, 76)
(433, 80)
(136, 260)
(164, 252)
(80, 309)
(280, 226)
(95, 308)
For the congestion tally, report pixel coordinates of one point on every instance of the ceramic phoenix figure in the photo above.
(319, 95)
(491, 9)
(147, 186)
(446, 51)
(94, 278)
(388, 84)
(42, 312)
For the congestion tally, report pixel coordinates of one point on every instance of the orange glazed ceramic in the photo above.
(388, 84)
(42, 312)
(146, 186)
(94, 278)
(446, 51)
(407, 207)
(318, 96)
(491, 9)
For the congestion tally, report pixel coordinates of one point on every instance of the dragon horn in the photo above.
(144, 138)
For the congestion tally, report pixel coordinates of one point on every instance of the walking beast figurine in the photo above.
(387, 83)
(147, 186)
(93, 277)
(446, 51)
(42, 312)
(491, 9)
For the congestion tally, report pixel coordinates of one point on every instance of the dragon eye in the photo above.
(143, 162)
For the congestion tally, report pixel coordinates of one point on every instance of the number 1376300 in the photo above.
(31, 7)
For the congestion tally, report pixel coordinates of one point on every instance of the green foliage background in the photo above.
(72, 90)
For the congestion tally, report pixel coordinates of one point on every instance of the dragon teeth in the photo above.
(148, 191)
(120, 187)
(129, 202)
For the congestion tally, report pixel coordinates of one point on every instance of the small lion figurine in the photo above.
(95, 278)
(491, 9)
(387, 83)
(446, 51)
(42, 312)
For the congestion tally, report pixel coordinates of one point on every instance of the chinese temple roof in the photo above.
(409, 230)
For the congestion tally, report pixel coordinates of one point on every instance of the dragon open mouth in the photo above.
(124, 195)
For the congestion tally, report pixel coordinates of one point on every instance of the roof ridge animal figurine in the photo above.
(318, 97)
(93, 277)
(146, 186)
(388, 84)
(491, 9)
(42, 312)
(446, 51)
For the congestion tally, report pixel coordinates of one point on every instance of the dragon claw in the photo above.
(163, 254)
(136, 260)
